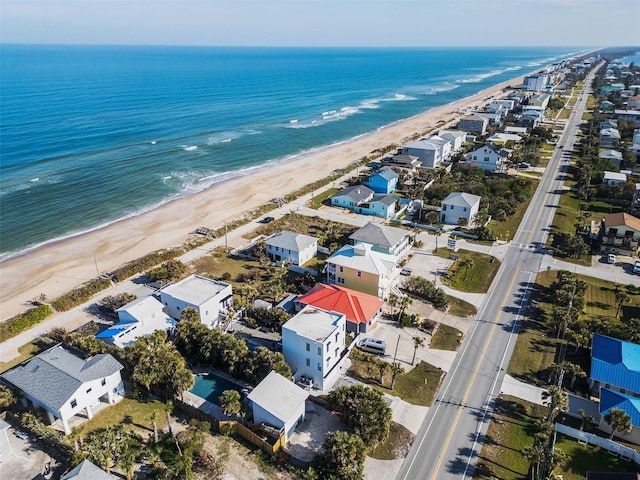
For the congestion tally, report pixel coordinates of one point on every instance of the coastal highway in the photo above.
(449, 441)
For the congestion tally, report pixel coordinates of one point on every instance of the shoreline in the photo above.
(59, 265)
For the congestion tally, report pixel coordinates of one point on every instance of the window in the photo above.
(319, 350)
(337, 336)
(308, 347)
(486, 159)
(464, 209)
(103, 382)
(89, 390)
(74, 403)
(341, 269)
(319, 367)
(359, 274)
(328, 346)
(308, 362)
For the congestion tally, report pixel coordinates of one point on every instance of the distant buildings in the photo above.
(536, 83)
(474, 124)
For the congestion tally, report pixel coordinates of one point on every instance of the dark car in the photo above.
(268, 219)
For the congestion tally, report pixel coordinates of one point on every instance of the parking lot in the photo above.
(21, 458)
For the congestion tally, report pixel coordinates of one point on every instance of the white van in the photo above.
(372, 345)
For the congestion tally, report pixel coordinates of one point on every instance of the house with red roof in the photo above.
(361, 310)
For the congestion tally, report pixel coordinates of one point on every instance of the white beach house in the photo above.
(209, 297)
(313, 342)
(291, 247)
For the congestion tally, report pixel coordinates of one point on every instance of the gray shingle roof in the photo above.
(379, 235)
(291, 240)
(87, 471)
(357, 193)
(460, 199)
(56, 374)
(387, 200)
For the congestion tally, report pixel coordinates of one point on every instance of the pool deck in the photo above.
(204, 405)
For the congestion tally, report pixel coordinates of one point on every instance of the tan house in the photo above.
(360, 268)
(620, 233)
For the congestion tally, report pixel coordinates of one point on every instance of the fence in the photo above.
(231, 426)
(610, 446)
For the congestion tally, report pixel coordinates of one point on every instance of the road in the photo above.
(449, 442)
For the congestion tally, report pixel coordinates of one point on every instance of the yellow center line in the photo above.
(471, 382)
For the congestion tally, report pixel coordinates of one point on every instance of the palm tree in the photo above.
(230, 402)
(396, 369)
(556, 399)
(534, 454)
(154, 421)
(384, 370)
(404, 303)
(417, 342)
(6, 397)
(622, 297)
(393, 302)
(585, 419)
(575, 371)
(619, 421)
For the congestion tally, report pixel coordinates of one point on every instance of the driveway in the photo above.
(22, 459)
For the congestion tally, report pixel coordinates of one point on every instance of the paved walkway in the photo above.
(516, 388)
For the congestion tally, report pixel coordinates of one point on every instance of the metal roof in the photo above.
(611, 399)
(615, 362)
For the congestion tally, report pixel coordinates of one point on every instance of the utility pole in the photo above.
(226, 246)
(396, 352)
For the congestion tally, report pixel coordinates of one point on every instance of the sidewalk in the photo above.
(516, 388)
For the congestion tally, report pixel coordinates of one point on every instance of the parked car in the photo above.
(268, 219)
(524, 165)
(611, 258)
(406, 271)
(636, 267)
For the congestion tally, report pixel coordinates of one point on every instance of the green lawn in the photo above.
(460, 308)
(511, 430)
(317, 201)
(475, 279)
(396, 445)
(584, 458)
(129, 412)
(417, 386)
(505, 229)
(536, 347)
(446, 338)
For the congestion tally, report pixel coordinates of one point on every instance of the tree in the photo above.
(230, 402)
(7, 398)
(154, 422)
(366, 412)
(556, 400)
(396, 369)
(585, 420)
(575, 371)
(405, 301)
(622, 297)
(619, 421)
(417, 342)
(190, 314)
(393, 302)
(343, 457)
(534, 454)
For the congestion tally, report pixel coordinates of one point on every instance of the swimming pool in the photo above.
(210, 386)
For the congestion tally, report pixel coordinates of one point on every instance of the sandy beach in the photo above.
(55, 268)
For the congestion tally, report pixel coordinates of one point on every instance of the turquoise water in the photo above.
(92, 134)
(211, 386)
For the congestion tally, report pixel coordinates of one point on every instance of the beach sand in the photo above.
(56, 268)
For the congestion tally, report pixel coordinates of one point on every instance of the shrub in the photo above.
(427, 290)
(81, 294)
(145, 263)
(171, 270)
(23, 321)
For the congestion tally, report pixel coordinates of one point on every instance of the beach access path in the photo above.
(57, 267)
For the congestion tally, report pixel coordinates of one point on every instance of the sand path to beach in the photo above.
(58, 267)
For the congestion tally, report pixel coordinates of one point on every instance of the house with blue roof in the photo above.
(383, 181)
(615, 379)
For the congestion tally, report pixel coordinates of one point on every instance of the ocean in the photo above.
(92, 134)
